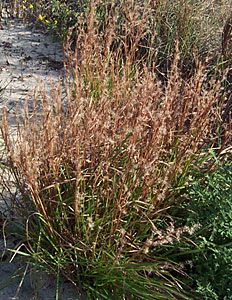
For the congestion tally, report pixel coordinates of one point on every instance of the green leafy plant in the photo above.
(210, 206)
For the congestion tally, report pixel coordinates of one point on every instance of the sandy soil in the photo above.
(27, 57)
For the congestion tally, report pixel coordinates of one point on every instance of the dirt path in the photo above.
(27, 56)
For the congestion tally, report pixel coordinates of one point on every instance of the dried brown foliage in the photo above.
(101, 163)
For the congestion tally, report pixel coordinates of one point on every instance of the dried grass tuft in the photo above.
(102, 165)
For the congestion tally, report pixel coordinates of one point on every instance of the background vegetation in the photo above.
(198, 25)
(125, 183)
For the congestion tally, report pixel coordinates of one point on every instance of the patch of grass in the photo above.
(99, 169)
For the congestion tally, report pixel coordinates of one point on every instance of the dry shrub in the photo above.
(99, 166)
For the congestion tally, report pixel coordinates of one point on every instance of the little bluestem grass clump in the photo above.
(99, 168)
